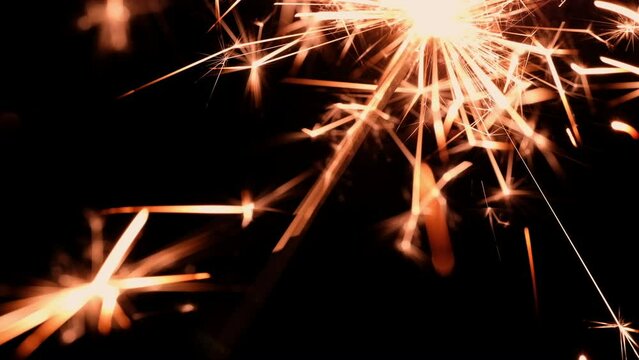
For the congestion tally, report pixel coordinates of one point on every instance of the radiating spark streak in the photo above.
(531, 262)
(597, 70)
(266, 201)
(435, 217)
(347, 148)
(173, 73)
(490, 213)
(623, 99)
(564, 98)
(164, 258)
(184, 209)
(571, 137)
(620, 65)
(618, 86)
(573, 246)
(121, 248)
(618, 9)
(132, 283)
(623, 127)
(335, 84)
(332, 126)
(453, 173)
(220, 16)
(624, 328)
(109, 296)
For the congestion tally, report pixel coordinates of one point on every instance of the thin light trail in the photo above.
(531, 263)
(575, 249)
(489, 211)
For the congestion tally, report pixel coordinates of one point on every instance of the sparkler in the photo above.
(450, 77)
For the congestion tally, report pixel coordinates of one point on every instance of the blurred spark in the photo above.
(112, 19)
(47, 312)
(531, 262)
(623, 127)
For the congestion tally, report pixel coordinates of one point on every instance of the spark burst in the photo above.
(49, 309)
(464, 70)
(449, 78)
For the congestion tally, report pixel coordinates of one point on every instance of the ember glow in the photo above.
(112, 19)
(443, 80)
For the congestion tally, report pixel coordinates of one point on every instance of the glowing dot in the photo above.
(583, 357)
(69, 336)
(187, 308)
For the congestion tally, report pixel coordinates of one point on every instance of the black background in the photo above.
(68, 144)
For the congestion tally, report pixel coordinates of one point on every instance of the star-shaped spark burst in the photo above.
(48, 311)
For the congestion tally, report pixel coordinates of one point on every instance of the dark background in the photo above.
(67, 144)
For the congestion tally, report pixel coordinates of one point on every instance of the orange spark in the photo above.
(436, 219)
(531, 262)
(571, 137)
(623, 127)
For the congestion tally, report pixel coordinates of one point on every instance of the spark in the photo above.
(571, 137)
(531, 262)
(245, 210)
(112, 18)
(615, 67)
(617, 321)
(46, 313)
(623, 127)
(625, 334)
(625, 28)
(618, 9)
